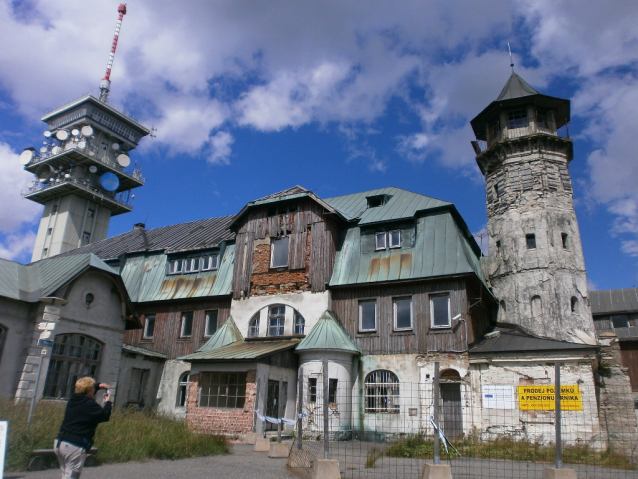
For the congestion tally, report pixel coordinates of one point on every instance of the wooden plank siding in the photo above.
(345, 304)
(629, 355)
(480, 305)
(168, 321)
(308, 217)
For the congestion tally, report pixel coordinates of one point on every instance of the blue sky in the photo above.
(252, 97)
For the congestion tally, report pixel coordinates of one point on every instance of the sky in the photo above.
(253, 97)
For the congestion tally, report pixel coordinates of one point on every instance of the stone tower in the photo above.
(82, 174)
(536, 264)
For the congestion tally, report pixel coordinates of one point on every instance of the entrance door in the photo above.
(452, 412)
(272, 402)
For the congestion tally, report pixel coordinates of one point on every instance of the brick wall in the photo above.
(224, 421)
(265, 281)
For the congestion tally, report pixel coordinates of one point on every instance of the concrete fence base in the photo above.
(436, 471)
(262, 444)
(279, 449)
(326, 469)
(553, 473)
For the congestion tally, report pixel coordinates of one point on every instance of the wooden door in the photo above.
(272, 402)
(451, 411)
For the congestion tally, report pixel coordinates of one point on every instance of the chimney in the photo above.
(139, 226)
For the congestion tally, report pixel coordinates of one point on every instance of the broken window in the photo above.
(382, 392)
(440, 310)
(517, 119)
(149, 327)
(368, 315)
(495, 129)
(253, 327)
(187, 325)
(530, 240)
(402, 313)
(279, 254)
(276, 320)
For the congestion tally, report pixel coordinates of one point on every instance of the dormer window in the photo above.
(210, 262)
(377, 200)
(385, 240)
(380, 241)
(191, 265)
(175, 266)
(395, 239)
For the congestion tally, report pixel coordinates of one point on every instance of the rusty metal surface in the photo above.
(243, 350)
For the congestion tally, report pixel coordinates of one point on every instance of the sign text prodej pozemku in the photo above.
(542, 398)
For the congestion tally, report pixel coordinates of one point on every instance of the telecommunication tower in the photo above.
(83, 173)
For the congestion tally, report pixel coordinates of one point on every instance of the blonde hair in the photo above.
(84, 385)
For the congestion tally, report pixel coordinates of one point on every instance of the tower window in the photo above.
(54, 209)
(498, 247)
(86, 236)
(495, 129)
(564, 237)
(542, 118)
(90, 213)
(530, 239)
(517, 119)
(537, 307)
(45, 251)
(49, 231)
(574, 304)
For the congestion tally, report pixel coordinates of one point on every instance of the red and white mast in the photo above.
(105, 84)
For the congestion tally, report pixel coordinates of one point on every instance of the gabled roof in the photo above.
(227, 334)
(295, 190)
(510, 340)
(181, 237)
(400, 204)
(516, 87)
(242, 351)
(614, 301)
(328, 335)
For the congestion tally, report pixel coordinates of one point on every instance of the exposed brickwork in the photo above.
(276, 281)
(221, 421)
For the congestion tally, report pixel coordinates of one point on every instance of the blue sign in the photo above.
(45, 342)
(109, 181)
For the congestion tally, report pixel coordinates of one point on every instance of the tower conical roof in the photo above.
(224, 336)
(516, 87)
(328, 334)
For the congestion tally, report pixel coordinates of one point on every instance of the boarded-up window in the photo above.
(137, 385)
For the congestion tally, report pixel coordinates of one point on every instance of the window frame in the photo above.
(149, 319)
(279, 241)
(279, 317)
(184, 317)
(382, 392)
(207, 317)
(530, 240)
(390, 243)
(394, 313)
(312, 389)
(172, 266)
(233, 380)
(191, 265)
(431, 298)
(182, 389)
(333, 385)
(299, 322)
(516, 119)
(361, 329)
(210, 262)
(378, 236)
(253, 326)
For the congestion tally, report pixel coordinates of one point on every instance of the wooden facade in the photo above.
(168, 321)
(422, 338)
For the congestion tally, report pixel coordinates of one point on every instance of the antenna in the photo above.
(105, 84)
(511, 60)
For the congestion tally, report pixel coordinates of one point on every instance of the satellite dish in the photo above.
(56, 150)
(82, 144)
(87, 130)
(43, 173)
(70, 145)
(43, 149)
(93, 169)
(75, 132)
(123, 160)
(26, 157)
(67, 175)
(109, 181)
(48, 134)
(62, 135)
(115, 146)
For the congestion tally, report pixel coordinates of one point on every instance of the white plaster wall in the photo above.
(17, 320)
(127, 363)
(310, 305)
(166, 399)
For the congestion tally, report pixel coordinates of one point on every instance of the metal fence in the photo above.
(383, 429)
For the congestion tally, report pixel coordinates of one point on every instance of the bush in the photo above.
(128, 436)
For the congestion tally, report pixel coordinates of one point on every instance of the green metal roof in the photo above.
(242, 351)
(146, 280)
(401, 204)
(441, 248)
(516, 87)
(328, 334)
(227, 334)
(143, 351)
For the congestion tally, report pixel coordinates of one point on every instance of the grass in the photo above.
(128, 436)
(416, 446)
(373, 455)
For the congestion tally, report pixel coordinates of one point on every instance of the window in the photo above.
(187, 325)
(368, 315)
(45, 251)
(211, 322)
(137, 386)
(380, 241)
(440, 310)
(253, 326)
(377, 200)
(182, 390)
(209, 262)
(90, 213)
(49, 231)
(574, 304)
(564, 238)
(191, 265)
(402, 313)
(223, 390)
(279, 256)
(276, 320)
(175, 266)
(73, 357)
(530, 240)
(300, 323)
(517, 119)
(542, 118)
(395, 239)
(149, 327)
(54, 209)
(382, 392)
(495, 129)
(312, 389)
(332, 390)
(537, 307)
(619, 321)
(86, 236)
(498, 248)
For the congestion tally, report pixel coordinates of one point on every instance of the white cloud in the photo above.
(221, 144)
(17, 246)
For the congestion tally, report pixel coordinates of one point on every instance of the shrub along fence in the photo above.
(497, 432)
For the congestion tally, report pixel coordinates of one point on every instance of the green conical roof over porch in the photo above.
(328, 334)
(224, 336)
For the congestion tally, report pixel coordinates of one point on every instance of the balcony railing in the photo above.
(531, 129)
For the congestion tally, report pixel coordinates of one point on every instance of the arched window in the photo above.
(182, 390)
(537, 307)
(253, 326)
(574, 304)
(300, 323)
(451, 375)
(73, 357)
(382, 392)
(276, 320)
